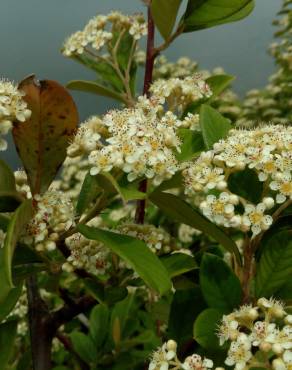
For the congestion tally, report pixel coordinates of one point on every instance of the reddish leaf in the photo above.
(42, 140)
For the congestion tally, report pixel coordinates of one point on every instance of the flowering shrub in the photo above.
(164, 243)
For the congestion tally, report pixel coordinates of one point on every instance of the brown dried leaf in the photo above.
(42, 140)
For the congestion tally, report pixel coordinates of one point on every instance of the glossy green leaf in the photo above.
(205, 328)
(192, 144)
(164, 13)
(7, 338)
(136, 254)
(122, 313)
(99, 324)
(274, 268)
(185, 307)
(95, 88)
(218, 83)
(180, 211)
(85, 347)
(213, 125)
(221, 288)
(7, 306)
(43, 139)
(179, 263)
(202, 14)
(16, 227)
(7, 180)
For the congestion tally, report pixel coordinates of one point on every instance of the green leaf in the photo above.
(7, 180)
(179, 263)
(205, 328)
(9, 201)
(126, 193)
(89, 192)
(122, 313)
(241, 182)
(202, 14)
(174, 182)
(15, 228)
(192, 144)
(274, 268)
(213, 125)
(178, 210)
(43, 139)
(7, 306)
(218, 83)
(164, 13)
(185, 307)
(99, 324)
(4, 222)
(220, 286)
(95, 88)
(84, 346)
(7, 338)
(135, 253)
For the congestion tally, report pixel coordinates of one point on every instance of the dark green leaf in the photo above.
(7, 306)
(274, 269)
(220, 286)
(218, 83)
(7, 337)
(192, 144)
(185, 307)
(172, 183)
(178, 210)
(241, 182)
(89, 192)
(15, 228)
(202, 14)
(4, 222)
(99, 324)
(205, 328)
(136, 254)
(9, 201)
(84, 346)
(213, 125)
(164, 13)
(179, 263)
(122, 312)
(7, 180)
(95, 88)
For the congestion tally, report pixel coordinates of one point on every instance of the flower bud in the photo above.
(269, 202)
(265, 347)
(171, 345)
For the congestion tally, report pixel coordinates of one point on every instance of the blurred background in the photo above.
(32, 33)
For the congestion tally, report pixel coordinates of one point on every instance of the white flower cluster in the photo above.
(183, 67)
(179, 93)
(101, 29)
(265, 150)
(187, 233)
(20, 311)
(165, 358)
(261, 332)
(12, 108)
(141, 142)
(53, 216)
(156, 238)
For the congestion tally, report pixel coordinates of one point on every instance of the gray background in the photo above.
(32, 32)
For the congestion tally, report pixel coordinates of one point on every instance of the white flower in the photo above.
(196, 362)
(220, 210)
(228, 329)
(160, 359)
(255, 218)
(239, 352)
(283, 185)
(12, 108)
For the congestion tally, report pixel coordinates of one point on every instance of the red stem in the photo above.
(150, 58)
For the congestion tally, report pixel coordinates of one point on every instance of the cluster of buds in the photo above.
(12, 109)
(54, 215)
(262, 332)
